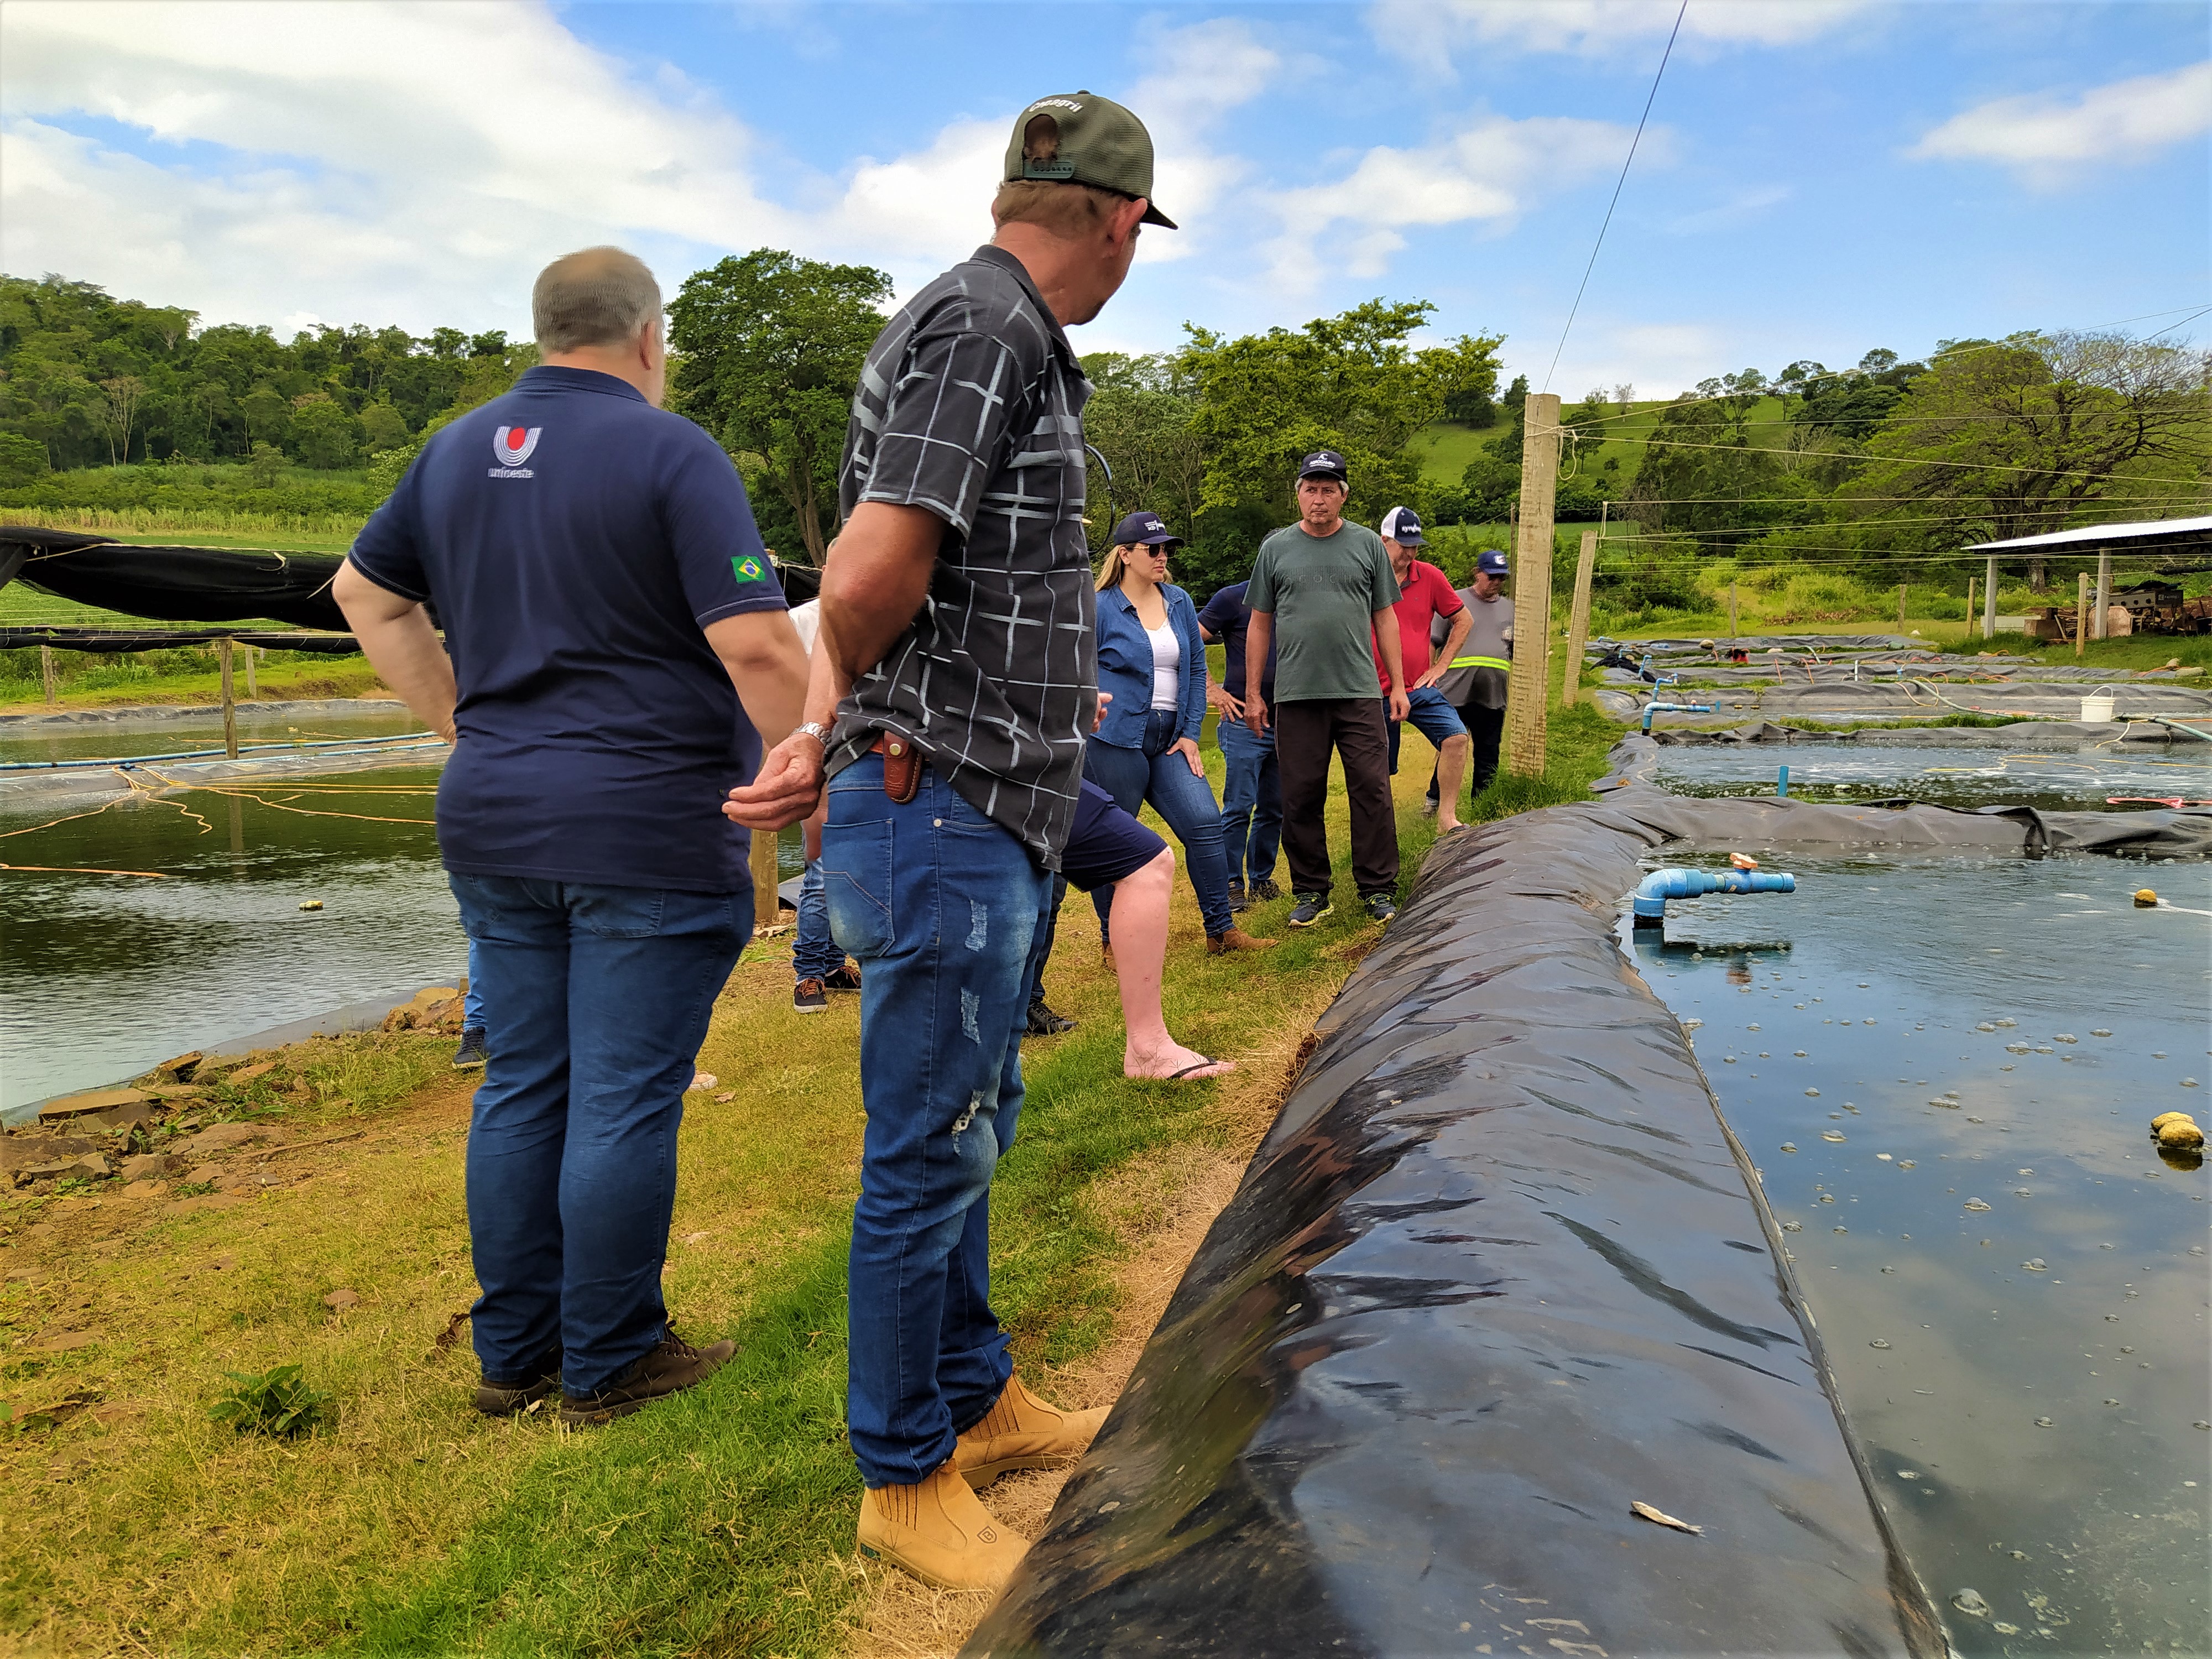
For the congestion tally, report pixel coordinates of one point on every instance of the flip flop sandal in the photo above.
(1176, 1076)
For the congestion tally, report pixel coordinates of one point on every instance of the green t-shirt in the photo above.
(1324, 591)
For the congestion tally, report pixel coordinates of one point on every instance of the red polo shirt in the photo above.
(1428, 595)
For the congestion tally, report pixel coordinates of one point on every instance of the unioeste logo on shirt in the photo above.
(511, 446)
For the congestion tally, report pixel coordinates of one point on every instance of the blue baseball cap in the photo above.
(1142, 529)
(1491, 562)
(1402, 525)
(1325, 463)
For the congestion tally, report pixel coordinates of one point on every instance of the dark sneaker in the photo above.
(809, 996)
(1310, 909)
(1429, 805)
(1043, 1022)
(1380, 907)
(472, 1052)
(842, 979)
(1237, 900)
(511, 1399)
(1264, 891)
(669, 1369)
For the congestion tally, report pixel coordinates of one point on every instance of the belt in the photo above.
(902, 764)
(1482, 662)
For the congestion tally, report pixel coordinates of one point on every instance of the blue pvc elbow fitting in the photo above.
(1650, 904)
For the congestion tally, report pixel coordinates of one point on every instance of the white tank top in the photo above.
(1166, 665)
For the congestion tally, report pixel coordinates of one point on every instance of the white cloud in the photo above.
(1480, 174)
(2050, 138)
(1740, 207)
(1427, 31)
(391, 161)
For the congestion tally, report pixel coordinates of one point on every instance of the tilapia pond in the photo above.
(2054, 780)
(1944, 1071)
(197, 937)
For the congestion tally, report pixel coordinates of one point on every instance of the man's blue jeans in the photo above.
(940, 904)
(472, 1013)
(1157, 776)
(1251, 801)
(600, 997)
(814, 954)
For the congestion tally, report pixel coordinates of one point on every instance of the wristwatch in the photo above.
(815, 730)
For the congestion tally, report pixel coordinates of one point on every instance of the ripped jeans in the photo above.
(940, 904)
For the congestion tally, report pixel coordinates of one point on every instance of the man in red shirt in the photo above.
(1427, 595)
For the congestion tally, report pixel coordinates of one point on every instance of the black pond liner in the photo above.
(1499, 1270)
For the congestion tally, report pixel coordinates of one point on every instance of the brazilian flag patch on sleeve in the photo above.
(748, 569)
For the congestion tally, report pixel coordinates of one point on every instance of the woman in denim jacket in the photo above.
(1152, 660)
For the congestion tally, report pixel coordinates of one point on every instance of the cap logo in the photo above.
(1055, 170)
(513, 444)
(1054, 103)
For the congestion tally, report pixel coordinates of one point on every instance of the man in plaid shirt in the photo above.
(957, 652)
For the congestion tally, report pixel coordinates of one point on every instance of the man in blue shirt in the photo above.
(617, 648)
(1251, 788)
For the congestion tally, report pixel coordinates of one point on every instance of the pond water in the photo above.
(1945, 1071)
(126, 737)
(102, 976)
(2052, 779)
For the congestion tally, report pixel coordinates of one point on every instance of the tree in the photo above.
(22, 459)
(382, 428)
(125, 393)
(769, 349)
(2026, 434)
(322, 432)
(1349, 383)
(268, 465)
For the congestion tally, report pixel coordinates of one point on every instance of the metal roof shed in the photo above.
(2160, 535)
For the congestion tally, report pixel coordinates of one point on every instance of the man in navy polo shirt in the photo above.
(617, 648)
(1251, 786)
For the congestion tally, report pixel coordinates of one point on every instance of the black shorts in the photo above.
(1106, 843)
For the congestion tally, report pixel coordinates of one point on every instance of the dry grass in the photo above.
(1159, 1208)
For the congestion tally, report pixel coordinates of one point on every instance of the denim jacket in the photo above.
(1125, 667)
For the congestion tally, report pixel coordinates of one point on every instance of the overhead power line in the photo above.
(1615, 202)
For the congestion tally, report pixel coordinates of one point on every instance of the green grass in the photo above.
(717, 1522)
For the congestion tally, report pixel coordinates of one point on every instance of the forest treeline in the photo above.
(1885, 458)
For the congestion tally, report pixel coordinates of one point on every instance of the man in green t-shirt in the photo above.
(1321, 589)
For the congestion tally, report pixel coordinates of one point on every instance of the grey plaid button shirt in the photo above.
(970, 405)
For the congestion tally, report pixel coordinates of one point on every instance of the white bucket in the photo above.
(2097, 708)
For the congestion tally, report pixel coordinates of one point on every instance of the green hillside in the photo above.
(1445, 450)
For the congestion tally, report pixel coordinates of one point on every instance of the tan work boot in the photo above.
(1020, 1432)
(939, 1531)
(1236, 938)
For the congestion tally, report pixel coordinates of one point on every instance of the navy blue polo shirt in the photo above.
(1226, 617)
(574, 541)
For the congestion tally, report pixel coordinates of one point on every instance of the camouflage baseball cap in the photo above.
(1091, 141)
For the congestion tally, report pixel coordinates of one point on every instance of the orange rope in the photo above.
(73, 870)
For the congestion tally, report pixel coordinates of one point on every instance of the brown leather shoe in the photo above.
(939, 1531)
(1020, 1432)
(1236, 938)
(1106, 956)
(668, 1367)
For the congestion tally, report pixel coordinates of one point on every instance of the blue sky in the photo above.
(1819, 176)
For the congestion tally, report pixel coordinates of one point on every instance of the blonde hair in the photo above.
(1117, 561)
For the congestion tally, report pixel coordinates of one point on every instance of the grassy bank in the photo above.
(718, 1522)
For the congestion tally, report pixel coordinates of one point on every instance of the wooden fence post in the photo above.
(1529, 682)
(47, 673)
(1578, 620)
(1900, 607)
(1731, 610)
(765, 903)
(222, 650)
(2104, 592)
(1990, 601)
(2081, 615)
(1972, 589)
(253, 690)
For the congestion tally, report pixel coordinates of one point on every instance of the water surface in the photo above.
(1945, 1071)
(2054, 781)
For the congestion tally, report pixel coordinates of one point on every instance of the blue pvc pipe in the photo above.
(1650, 904)
(1656, 707)
(1782, 783)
